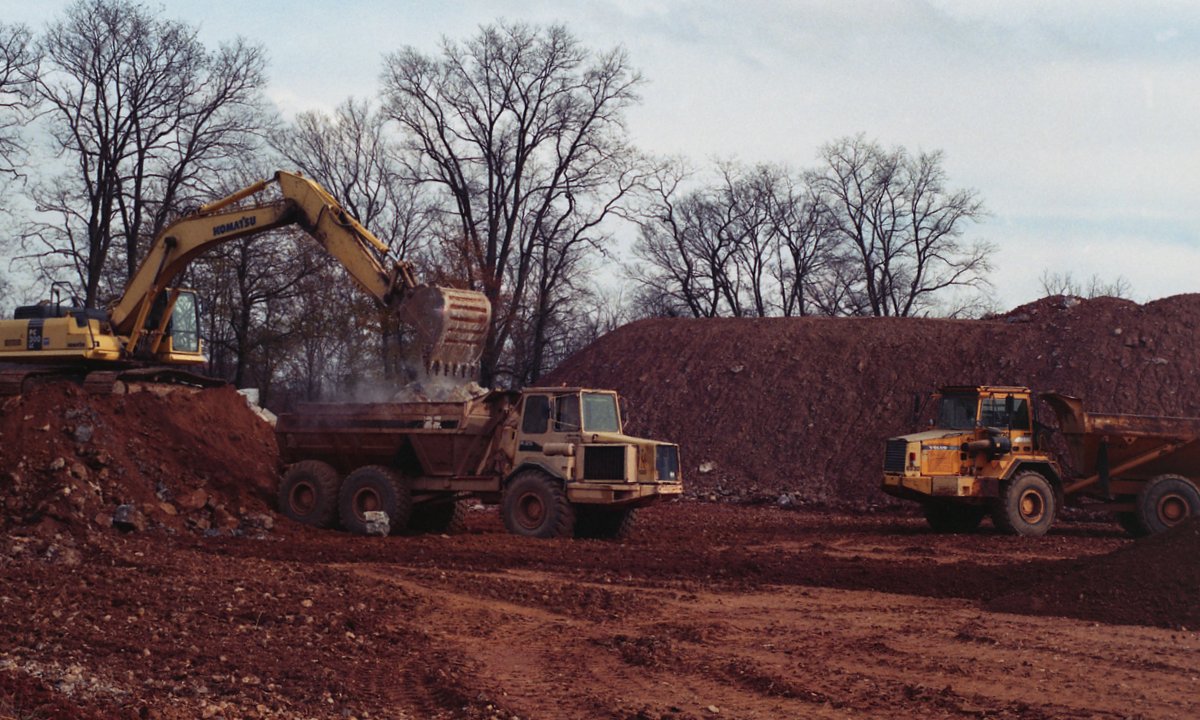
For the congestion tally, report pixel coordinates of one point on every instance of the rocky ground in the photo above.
(710, 610)
(144, 573)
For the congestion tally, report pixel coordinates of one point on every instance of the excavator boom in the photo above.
(450, 324)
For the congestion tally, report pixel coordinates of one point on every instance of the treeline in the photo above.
(500, 163)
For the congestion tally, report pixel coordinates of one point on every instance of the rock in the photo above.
(168, 508)
(258, 521)
(785, 500)
(737, 369)
(101, 459)
(64, 555)
(193, 500)
(707, 467)
(104, 520)
(377, 522)
(57, 464)
(83, 433)
(127, 518)
(224, 519)
(79, 470)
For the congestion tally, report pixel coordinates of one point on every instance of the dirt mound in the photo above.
(1150, 582)
(185, 460)
(763, 407)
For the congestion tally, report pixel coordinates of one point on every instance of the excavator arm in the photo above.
(451, 324)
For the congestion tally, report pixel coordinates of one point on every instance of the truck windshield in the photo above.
(957, 412)
(600, 413)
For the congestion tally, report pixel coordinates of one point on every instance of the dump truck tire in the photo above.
(604, 523)
(1166, 501)
(374, 487)
(535, 505)
(308, 493)
(951, 517)
(1026, 506)
(447, 518)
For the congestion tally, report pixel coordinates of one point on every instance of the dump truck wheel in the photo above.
(308, 493)
(444, 517)
(374, 487)
(604, 523)
(1166, 501)
(949, 517)
(535, 505)
(1026, 505)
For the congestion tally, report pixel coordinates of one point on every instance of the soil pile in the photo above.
(1150, 582)
(801, 406)
(182, 460)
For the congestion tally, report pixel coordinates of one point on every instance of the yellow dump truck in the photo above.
(555, 459)
(987, 454)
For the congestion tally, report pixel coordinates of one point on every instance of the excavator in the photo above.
(151, 332)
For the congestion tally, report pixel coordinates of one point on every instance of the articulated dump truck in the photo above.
(554, 459)
(986, 454)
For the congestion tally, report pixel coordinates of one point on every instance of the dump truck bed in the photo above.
(1134, 446)
(448, 439)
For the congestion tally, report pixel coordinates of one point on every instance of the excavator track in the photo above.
(20, 379)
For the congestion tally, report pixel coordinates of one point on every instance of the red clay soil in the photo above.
(708, 610)
(202, 603)
(1154, 581)
(197, 461)
(802, 405)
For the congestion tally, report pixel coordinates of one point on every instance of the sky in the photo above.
(1075, 122)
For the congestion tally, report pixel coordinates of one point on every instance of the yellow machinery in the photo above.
(986, 453)
(155, 324)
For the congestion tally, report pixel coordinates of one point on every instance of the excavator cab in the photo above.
(171, 333)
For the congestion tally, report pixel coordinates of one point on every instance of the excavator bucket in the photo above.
(451, 327)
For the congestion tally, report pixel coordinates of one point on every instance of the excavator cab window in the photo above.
(185, 324)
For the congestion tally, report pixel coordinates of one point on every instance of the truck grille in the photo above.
(666, 462)
(893, 458)
(604, 462)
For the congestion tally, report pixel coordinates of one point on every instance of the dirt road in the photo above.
(710, 611)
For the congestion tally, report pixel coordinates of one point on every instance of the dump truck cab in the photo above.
(576, 435)
(982, 453)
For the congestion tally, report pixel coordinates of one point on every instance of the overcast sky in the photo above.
(1078, 123)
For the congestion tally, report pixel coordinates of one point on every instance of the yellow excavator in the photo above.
(151, 332)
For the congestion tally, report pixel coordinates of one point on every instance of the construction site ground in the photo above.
(709, 610)
(145, 574)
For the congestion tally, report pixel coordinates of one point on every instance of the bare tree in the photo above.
(1065, 284)
(350, 153)
(748, 245)
(18, 68)
(894, 217)
(144, 114)
(801, 230)
(522, 130)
